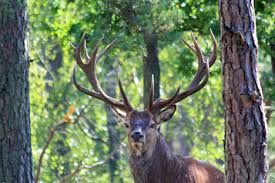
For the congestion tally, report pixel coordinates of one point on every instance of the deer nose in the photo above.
(137, 134)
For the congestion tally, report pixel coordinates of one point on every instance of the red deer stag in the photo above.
(150, 159)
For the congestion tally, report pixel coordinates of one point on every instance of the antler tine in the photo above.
(211, 59)
(213, 55)
(106, 49)
(123, 95)
(197, 82)
(201, 62)
(151, 95)
(86, 51)
(89, 69)
(159, 104)
(113, 102)
(93, 59)
(201, 69)
(196, 88)
(126, 106)
(189, 46)
(77, 50)
(198, 51)
(82, 89)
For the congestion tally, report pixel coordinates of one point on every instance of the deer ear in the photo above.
(166, 114)
(120, 116)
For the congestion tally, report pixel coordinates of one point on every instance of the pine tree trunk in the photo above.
(150, 65)
(113, 133)
(15, 140)
(245, 125)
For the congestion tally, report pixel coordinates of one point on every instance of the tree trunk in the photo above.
(273, 57)
(185, 148)
(15, 140)
(52, 75)
(245, 125)
(113, 133)
(269, 102)
(150, 65)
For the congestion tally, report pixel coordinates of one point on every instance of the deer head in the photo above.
(141, 126)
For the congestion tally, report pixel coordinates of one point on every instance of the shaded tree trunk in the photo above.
(52, 66)
(185, 148)
(245, 125)
(61, 149)
(273, 57)
(15, 140)
(113, 133)
(269, 102)
(150, 65)
(53, 76)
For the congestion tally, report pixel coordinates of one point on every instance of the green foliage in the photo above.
(265, 24)
(199, 120)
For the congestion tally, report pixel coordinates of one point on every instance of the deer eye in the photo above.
(153, 125)
(126, 125)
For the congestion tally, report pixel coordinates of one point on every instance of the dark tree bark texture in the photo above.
(245, 125)
(150, 65)
(15, 140)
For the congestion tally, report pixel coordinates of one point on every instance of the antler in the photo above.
(197, 82)
(89, 69)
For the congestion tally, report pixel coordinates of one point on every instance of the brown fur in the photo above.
(162, 166)
(151, 160)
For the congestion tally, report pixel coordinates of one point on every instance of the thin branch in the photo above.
(89, 122)
(74, 173)
(92, 167)
(91, 127)
(50, 137)
(44, 65)
(93, 137)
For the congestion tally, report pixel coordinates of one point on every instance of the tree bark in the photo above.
(15, 140)
(150, 66)
(113, 133)
(245, 125)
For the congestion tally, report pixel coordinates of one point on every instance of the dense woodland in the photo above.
(75, 138)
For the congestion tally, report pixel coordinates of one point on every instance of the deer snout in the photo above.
(137, 134)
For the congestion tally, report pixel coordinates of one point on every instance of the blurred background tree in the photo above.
(149, 34)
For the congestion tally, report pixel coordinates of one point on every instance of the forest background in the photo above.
(87, 144)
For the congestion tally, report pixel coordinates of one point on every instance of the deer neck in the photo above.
(159, 158)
